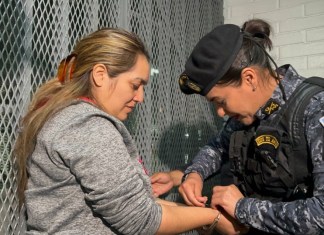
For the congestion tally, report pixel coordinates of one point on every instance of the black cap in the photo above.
(210, 59)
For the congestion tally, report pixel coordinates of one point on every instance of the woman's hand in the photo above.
(226, 197)
(191, 189)
(161, 183)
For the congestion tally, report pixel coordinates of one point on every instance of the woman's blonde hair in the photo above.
(117, 49)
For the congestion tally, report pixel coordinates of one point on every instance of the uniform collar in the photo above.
(290, 81)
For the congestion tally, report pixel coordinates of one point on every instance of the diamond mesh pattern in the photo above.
(169, 127)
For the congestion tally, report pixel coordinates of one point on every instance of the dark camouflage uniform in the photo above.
(296, 217)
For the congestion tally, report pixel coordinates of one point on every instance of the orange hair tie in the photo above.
(61, 71)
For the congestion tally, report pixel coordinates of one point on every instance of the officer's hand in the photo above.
(161, 183)
(191, 189)
(226, 197)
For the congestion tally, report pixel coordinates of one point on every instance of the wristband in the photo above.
(213, 225)
(184, 177)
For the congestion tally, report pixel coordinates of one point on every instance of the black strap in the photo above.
(294, 117)
(315, 80)
(306, 91)
(299, 101)
(237, 159)
(235, 152)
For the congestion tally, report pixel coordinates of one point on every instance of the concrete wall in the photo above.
(298, 29)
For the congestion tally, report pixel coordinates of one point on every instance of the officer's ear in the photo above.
(249, 77)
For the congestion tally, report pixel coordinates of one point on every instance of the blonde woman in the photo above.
(78, 165)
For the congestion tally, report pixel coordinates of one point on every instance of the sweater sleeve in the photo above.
(113, 182)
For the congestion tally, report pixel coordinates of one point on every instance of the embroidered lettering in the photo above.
(267, 139)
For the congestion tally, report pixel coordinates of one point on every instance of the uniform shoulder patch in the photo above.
(270, 107)
(321, 120)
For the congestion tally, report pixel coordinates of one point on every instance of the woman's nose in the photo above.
(139, 97)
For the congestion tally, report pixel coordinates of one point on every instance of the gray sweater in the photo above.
(85, 178)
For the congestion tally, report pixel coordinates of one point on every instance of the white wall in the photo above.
(298, 29)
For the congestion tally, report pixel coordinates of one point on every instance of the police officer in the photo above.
(272, 141)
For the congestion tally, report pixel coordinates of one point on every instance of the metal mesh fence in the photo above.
(169, 127)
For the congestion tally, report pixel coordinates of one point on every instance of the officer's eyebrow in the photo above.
(214, 98)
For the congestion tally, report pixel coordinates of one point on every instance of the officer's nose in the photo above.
(220, 111)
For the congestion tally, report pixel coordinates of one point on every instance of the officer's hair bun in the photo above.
(260, 30)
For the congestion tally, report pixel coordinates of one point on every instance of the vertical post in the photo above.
(61, 30)
(94, 13)
(26, 73)
(123, 13)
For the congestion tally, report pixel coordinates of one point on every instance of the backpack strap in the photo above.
(294, 119)
(297, 105)
(316, 81)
